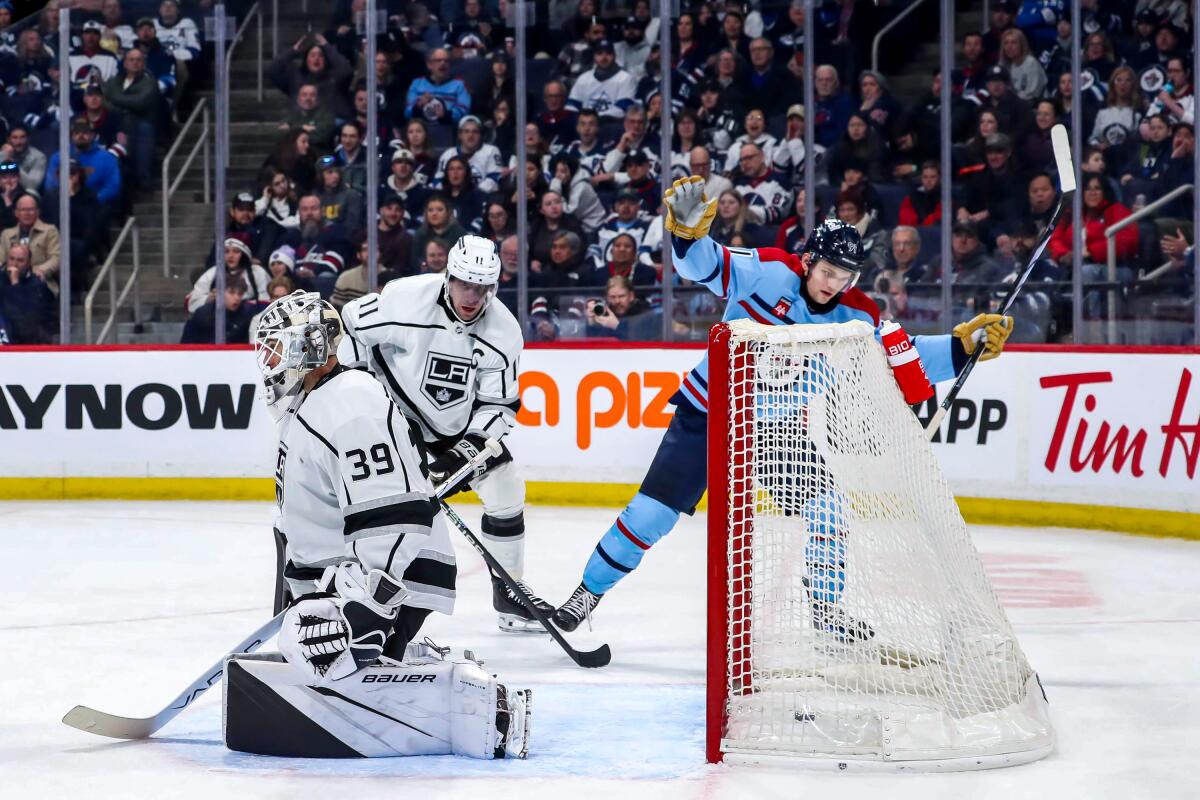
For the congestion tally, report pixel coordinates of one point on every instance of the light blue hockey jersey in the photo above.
(763, 284)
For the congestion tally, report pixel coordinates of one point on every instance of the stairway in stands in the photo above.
(253, 134)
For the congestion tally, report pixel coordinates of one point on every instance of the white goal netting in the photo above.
(860, 625)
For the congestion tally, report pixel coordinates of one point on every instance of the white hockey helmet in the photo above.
(474, 259)
(295, 335)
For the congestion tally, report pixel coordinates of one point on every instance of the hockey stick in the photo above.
(587, 658)
(1066, 179)
(113, 726)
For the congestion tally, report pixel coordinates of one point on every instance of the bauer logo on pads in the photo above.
(446, 379)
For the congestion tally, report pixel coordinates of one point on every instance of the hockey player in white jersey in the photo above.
(368, 558)
(447, 351)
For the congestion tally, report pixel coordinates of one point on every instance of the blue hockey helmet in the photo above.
(838, 243)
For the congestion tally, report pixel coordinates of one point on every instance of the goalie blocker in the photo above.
(423, 706)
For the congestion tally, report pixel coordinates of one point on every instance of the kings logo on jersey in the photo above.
(446, 379)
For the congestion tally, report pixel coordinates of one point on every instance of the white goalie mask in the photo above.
(296, 334)
(474, 265)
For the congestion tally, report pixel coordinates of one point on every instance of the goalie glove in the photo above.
(454, 459)
(689, 213)
(331, 634)
(990, 330)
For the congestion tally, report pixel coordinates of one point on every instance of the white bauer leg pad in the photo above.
(388, 709)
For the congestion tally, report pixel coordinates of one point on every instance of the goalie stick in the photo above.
(1066, 179)
(117, 727)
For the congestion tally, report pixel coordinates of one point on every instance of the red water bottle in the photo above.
(906, 364)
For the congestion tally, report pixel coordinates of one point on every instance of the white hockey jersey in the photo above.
(766, 142)
(768, 200)
(609, 98)
(182, 40)
(591, 161)
(96, 68)
(484, 162)
(349, 487)
(447, 376)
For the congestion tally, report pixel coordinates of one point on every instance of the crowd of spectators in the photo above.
(131, 63)
(594, 167)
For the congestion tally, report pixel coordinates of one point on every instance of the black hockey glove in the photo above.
(454, 459)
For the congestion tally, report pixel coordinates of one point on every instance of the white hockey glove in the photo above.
(331, 634)
(454, 459)
(689, 213)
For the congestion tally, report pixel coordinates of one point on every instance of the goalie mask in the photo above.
(296, 334)
(472, 272)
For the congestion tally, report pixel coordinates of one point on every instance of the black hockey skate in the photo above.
(578, 607)
(832, 619)
(514, 617)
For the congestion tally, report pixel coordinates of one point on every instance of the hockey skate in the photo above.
(512, 616)
(578, 607)
(832, 620)
(513, 709)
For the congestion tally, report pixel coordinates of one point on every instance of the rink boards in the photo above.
(1086, 437)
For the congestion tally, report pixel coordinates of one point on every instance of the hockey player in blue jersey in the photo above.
(773, 287)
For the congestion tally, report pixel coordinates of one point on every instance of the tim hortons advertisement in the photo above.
(1112, 428)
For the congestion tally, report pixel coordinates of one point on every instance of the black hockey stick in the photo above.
(1066, 179)
(113, 726)
(598, 657)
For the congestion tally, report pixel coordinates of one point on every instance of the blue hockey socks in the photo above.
(618, 553)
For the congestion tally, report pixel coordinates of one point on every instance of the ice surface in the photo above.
(118, 605)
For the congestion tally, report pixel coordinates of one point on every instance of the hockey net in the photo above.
(850, 619)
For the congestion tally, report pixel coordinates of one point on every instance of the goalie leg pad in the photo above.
(384, 710)
(619, 552)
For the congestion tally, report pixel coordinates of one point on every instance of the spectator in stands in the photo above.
(700, 163)
(627, 217)
(502, 87)
(339, 203)
(395, 242)
(1179, 103)
(642, 182)
(28, 310)
(409, 186)
(973, 152)
(765, 191)
(861, 143)
(766, 85)
(634, 139)
(135, 94)
(685, 136)
(588, 148)
(632, 49)
(498, 222)
(733, 32)
(106, 124)
(551, 219)
(995, 193)
(565, 264)
(243, 224)
(852, 209)
(923, 205)
(903, 259)
(1165, 44)
(323, 246)
(1013, 115)
(352, 156)
(437, 253)
(755, 125)
(201, 327)
(1026, 74)
(577, 56)
(1100, 210)
(280, 287)
(177, 32)
(972, 62)
(1134, 48)
(834, 106)
(29, 160)
(89, 228)
(1041, 195)
(101, 167)
(439, 223)
(482, 160)
(791, 234)
(1003, 16)
(309, 116)
(606, 88)
(556, 123)
(466, 201)
(312, 61)
(620, 259)
(877, 106)
(161, 62)
(1143, 171)
(1099, 55)
(39, 236)
(579, 198)
(718, 124)
(416, 142)
(118, 35)
(974, 271)
(733, 220)
(1179, 171)
(276, 212)
(11, 190)
(537, 149)
(623, 314)
(438, 98)
(294, 157)
(1037, 151)
(353, 284)
(1122, 111)
(239, 270)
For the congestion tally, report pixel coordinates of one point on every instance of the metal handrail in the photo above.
(886, 29)
(169, 187)
(115, 301)
(1110, 234)
(255, 12)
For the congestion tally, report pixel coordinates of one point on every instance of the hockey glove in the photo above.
(454, 459)
(991, 330)
(331, 634)
(689, 213)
